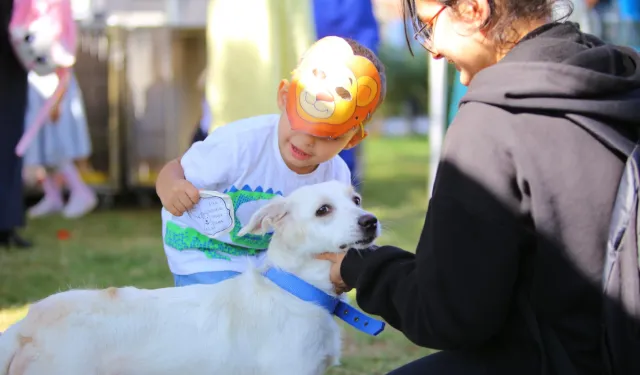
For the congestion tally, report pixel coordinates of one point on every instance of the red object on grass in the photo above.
(63, 234)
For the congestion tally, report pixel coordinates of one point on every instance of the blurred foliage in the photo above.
(406, 80)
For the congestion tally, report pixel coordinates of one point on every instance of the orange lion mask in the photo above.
(333, 90)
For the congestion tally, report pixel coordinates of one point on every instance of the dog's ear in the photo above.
(266, 217)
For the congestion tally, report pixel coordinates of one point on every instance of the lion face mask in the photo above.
(332, 90)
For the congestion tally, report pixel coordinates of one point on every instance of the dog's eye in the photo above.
(357, 200)
(324, 210)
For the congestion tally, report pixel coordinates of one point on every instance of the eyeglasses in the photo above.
(424, 35)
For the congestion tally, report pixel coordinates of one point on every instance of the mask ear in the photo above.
(367, 90)
(269, 215)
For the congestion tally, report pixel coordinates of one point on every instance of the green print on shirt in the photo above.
(190, 239)
(240, 197)
(249, 245)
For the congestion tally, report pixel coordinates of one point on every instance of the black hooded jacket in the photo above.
(521, 207)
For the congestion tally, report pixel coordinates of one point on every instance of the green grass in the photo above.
(124, 247)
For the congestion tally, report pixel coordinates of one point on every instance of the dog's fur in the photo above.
(245, 325)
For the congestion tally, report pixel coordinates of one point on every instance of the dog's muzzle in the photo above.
(369, 225)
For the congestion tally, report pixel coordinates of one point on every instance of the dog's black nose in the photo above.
(368, 222)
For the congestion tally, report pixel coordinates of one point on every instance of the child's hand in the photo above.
(54, 115)
(180, 197)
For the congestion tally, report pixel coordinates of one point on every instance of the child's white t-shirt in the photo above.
(241, 159)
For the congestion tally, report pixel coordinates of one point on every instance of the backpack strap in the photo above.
(615, 138)
(625, 143)
(554, 355)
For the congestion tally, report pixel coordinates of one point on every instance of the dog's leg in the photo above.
(34, 357)
(27, 362)
(324, 366)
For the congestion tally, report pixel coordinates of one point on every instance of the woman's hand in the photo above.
(334, 275)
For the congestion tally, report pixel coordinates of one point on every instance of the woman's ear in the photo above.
(283, 90)
(473, 13)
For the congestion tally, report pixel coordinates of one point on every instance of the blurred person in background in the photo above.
(13, 102)
(581, 14)
(629, 23)
(57, 146)
(599, 11)
(247, 59)
(352, 19)
(204, 123)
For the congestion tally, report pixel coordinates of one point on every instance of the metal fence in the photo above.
(139, 86)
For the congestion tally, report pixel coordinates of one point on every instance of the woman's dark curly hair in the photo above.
(504, 14)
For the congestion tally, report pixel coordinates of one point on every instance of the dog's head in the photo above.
(314, 219)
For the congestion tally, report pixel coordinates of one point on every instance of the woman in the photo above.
(13, 102)
(517, 224)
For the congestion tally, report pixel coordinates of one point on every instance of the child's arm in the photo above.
(176, 193)
(209, 164)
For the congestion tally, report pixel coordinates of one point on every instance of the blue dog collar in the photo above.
(333, 305)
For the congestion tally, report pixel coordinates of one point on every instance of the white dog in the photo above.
(244, 325)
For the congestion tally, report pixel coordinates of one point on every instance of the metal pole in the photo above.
(437, 114)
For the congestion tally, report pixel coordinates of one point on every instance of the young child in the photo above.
(57, 146)
(333, 92)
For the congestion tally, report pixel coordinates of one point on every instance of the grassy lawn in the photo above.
(124, 247)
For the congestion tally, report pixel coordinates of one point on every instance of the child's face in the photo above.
(303, 152)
